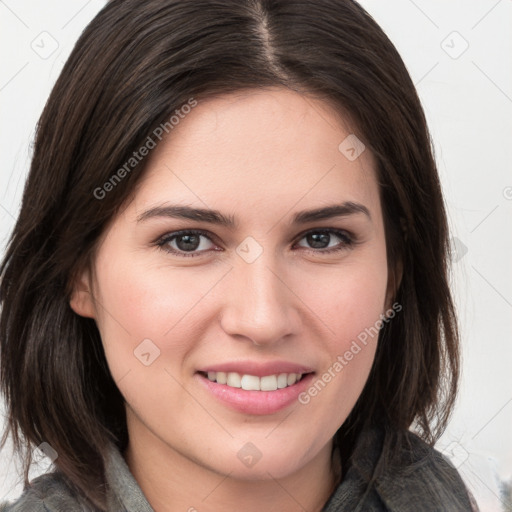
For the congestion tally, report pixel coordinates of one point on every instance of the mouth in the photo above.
(253, 382)
(252, 394)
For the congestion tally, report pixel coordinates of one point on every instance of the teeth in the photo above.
(292, 378)
(234, 380)
(282, 380)
(253, 383)
(250, 382)
(269, 383)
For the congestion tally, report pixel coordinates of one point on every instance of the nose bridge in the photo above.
(258, 303)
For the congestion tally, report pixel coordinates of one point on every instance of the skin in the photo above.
(261, 156)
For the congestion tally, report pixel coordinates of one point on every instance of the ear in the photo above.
(81, 300)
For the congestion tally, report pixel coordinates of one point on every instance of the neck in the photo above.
(197, 488)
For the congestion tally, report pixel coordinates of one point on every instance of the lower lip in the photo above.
(256, 402)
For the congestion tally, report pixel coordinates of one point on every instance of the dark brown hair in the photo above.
(133, 66)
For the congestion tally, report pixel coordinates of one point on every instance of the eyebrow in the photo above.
(215, 217)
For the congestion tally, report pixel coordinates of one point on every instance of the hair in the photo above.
(132, 67)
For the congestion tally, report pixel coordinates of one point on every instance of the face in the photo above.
(256, 294)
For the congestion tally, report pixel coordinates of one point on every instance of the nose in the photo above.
(259, 304)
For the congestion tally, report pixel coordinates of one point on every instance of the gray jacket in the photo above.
(424, 481)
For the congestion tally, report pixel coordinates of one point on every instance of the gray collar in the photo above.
(124, 491)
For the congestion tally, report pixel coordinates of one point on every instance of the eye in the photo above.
(184, 243)
(321, 239)
(188, 243)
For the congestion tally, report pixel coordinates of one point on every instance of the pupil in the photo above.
(189, 239)
(317, 240)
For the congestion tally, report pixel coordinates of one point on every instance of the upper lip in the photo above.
(258, 369)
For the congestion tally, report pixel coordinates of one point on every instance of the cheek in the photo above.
(140, 301)
(139, 297)
(349, 304)
(361, 303)
(145, 332)
(349, 299)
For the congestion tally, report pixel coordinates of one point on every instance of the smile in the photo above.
(251, 394)
(254, 383)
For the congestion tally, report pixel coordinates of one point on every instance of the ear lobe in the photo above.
(81, 300)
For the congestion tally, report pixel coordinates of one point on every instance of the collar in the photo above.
(124, 491)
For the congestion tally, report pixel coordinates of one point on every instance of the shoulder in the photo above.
(398, 472)
(46, 493)
(422, 478)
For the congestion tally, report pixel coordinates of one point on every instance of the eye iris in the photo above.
(317, 240)
(191, 242)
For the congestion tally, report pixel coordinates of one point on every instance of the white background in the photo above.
(467, 96)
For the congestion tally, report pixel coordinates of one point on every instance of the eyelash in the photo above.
(348, 241)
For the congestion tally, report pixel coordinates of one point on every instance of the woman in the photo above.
(227, 285)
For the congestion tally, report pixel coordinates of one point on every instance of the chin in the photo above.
(248, 462)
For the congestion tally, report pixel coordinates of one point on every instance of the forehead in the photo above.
(264, 150)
